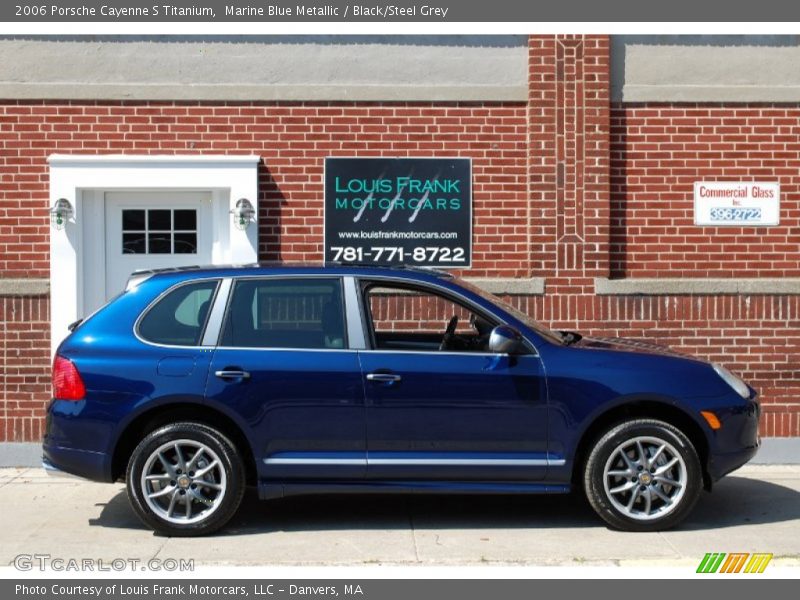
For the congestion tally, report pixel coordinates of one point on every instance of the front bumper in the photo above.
(720, 465)
(737, 441)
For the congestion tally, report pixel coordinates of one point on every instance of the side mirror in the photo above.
(504, 339)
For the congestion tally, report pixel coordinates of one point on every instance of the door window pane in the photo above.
(133, 220)
(179, 317)
(134, 243)
(185, 220)
(159, 220)
(159, 243)
(159, 231)
(185, 243)
(286, 313)
(416, 320)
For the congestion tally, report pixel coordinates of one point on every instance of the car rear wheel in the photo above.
(185, 479)
(643, 475)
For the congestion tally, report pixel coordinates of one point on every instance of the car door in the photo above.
(452, 413)
(283, 364)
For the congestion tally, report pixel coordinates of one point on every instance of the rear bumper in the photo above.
(54, 471)
(75, 443)
(62, 461)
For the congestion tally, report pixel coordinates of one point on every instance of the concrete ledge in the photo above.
(778, 451)
(20, 454)
(348, 68)
(697, 68)
(665, 286)
(533, 286)
(273, 92)
(774, 451)
(710, 93)
(24, 287)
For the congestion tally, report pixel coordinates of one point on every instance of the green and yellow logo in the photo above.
(735, 562)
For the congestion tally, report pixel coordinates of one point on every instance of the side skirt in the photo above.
(268, 490)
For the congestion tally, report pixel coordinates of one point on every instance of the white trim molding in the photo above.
(669, 286)
(83, 179)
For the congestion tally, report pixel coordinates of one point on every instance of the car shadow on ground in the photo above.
(735, 501)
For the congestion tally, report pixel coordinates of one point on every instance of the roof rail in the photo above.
(141, 275)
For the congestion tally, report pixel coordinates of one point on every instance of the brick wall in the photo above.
(293, 141)
(25, 355)
(393, 310)
(566, 187)
(569, 86)
(659, 151)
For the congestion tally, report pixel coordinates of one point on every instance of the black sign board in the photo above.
(391, 211)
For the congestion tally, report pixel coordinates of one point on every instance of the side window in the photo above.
(420, 320)
(179, 317)
(286, 313)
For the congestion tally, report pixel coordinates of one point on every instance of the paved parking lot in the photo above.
(757, 509)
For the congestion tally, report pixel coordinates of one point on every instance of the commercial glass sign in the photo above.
(390, 211)
(741, 203)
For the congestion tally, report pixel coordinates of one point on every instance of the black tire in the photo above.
(614, 508)
(228, 474)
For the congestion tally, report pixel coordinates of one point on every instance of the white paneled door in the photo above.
(152, 230)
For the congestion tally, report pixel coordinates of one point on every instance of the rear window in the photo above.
(285, 313)
(178, 319)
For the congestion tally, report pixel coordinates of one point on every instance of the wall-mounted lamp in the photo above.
(60, 213)
(243, 214)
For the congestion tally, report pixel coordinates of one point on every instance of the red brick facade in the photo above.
(659, 151)
(25, 352)
(566, 187)
(568, 112)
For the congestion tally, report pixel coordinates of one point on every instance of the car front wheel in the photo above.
(643, 475)
(185, 479)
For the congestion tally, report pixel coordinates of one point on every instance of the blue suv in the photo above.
(194, 383)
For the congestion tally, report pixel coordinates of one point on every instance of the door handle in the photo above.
(232, 374)
(383, 377)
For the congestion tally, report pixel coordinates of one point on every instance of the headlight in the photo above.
(739, 386)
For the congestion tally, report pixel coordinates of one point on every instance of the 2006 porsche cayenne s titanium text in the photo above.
(196, 382)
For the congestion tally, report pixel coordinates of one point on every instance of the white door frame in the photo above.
(84, 179)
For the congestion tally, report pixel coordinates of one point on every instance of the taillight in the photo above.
(67, 382)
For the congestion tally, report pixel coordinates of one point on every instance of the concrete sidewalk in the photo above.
(757, 509)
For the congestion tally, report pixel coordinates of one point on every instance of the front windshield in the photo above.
(513, 311)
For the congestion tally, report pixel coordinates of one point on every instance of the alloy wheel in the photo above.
(183, 481)
(645, 478)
